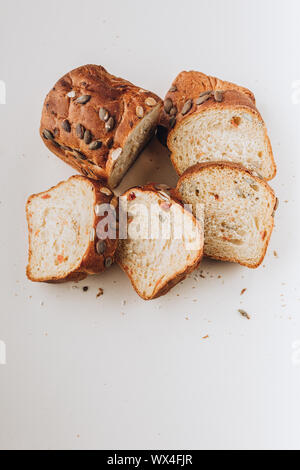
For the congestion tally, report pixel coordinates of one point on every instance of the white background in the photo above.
(84, 372)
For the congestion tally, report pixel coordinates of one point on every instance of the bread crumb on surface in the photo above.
(100, 292)
(244, 314)
(243, 291)
(205, 337)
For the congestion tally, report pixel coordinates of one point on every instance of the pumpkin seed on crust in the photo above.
(83, 99)
(187, 107)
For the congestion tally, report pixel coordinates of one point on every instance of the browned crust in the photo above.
(91, 263)
(118, 96)
(178, 276)
(234, 166)
(189, 85)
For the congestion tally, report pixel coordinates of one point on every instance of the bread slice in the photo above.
(98, 123)
(63, 231)
(163, 242)
(239, 210)
(212, 120)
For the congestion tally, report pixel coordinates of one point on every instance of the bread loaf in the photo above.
(65, 242)
(239, 210)
(212, 120)
(163, 244)
(98, 123)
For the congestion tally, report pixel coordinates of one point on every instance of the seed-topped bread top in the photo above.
(88, 116)
(207, 119)
(193, 91)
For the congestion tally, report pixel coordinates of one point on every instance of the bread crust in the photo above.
(92, 262)
(62, 116)
(178, 276)
(190, 85)
(234, 166)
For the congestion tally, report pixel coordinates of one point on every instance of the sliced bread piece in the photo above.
(239, 210)
(63, 231)
(212, 120)
(163, 242)
(98, 123)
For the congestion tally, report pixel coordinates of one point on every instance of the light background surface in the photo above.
(84, 372)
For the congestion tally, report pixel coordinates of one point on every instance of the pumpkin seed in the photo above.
(114, 202)
(98, 209)
(67, 149)
(103, 114)
(108, 262)
(173, 89)
(168, 105)
(92, 234)
(203, 98)
(150, 101)
(164, 196)
(187, 107)
(80, 131)
(204, 93)
(162, 187)
(83, 99)
(87, 137)
(110, 143)
(172, 122)
(97, 144)
(66, 126)
(116, 153)
(110, 124)
(173, 111)
(71, 94)
(219, 96)
(139, 111)
(79, 154)
(48, 135)
(106, 191)
(101, 247)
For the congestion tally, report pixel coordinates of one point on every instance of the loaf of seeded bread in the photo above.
(66, 238)
(239, 210)
(207, 119)
(98, 123)
(163, 242)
